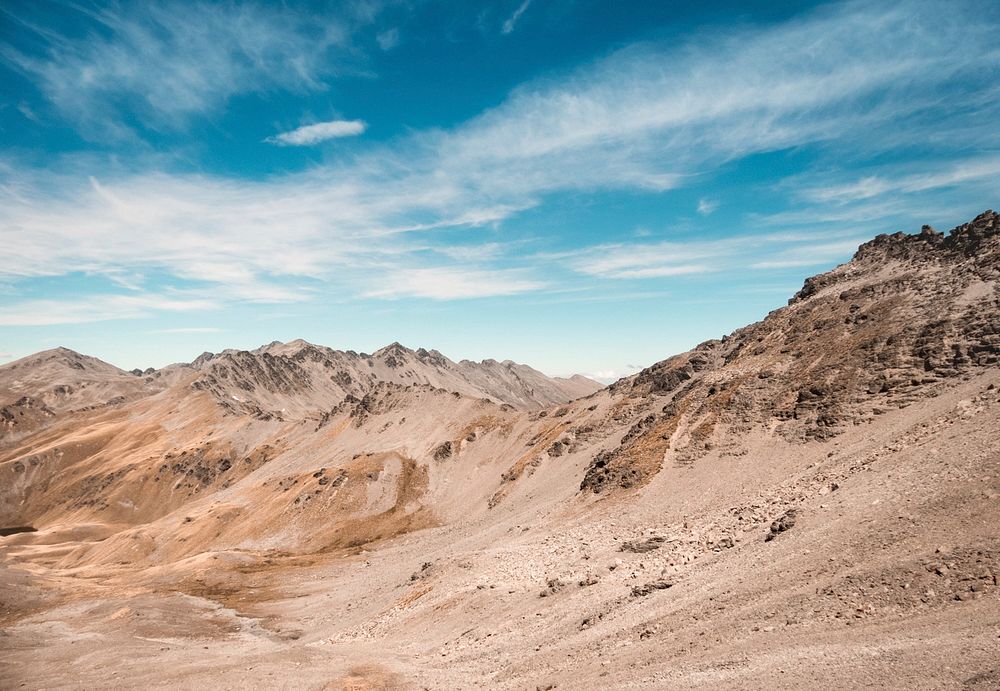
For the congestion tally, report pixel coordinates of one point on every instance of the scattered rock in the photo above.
(641, 546)
(722, 543)
(646, 589)
(783, 523)
(553, 586)
(425, 570)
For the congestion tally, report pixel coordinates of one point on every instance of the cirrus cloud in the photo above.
(451, 283)
(168, 61)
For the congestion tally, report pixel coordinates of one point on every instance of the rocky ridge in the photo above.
(909, 316)
(299, 377)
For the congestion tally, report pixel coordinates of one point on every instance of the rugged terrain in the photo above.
(809, 502)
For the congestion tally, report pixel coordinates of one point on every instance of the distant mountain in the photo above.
(274, 381)
(299, 376)
(34, 389)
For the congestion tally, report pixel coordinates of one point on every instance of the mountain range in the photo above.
(811, 501)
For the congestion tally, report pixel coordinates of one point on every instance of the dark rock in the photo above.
(553, 586)
(425, 570)
(646, 589)
(781, 524)
(641, 546)
(603, 475)
(443, 451)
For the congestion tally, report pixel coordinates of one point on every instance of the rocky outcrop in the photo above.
(784, 522)
(906, 318)
(25, 413)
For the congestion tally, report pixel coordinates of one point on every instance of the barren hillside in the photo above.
(809, 502)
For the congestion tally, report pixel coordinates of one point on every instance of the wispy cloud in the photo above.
(652, 260)
(454, 283)
(707, 206)
(170, 60)
(810, 254)
(511, 21)
(96, 308)
(308, 135)
(648, 118)
(25, 110)
(388, 39)
(872, 215)
(664, 259)
(944, 174)
(189, 330)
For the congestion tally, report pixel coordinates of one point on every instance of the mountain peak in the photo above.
(964, 240)
(299, 378)
(972, 248)
(63, 355)
(394, 347)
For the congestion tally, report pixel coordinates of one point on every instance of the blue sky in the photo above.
(584, 186)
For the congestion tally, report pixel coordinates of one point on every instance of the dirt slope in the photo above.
(810, 502)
